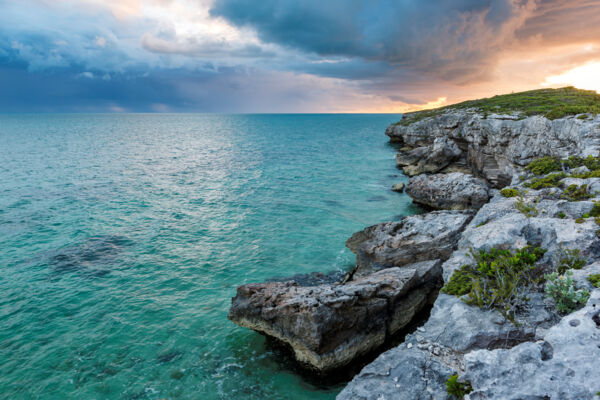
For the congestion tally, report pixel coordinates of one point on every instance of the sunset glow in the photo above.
(583, 77)
(288, 56)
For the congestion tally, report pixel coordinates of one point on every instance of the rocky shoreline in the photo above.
(492, 327)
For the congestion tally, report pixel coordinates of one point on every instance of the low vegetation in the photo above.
(548, 181)
(569, 259)
(561, 289)
(527, 209)
(456, 388)
(551, 103)
(594, 280)
(496, 279)
(546, 165)
(509, 192)
(575, 193)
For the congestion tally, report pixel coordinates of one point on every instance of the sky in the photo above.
(246, 56)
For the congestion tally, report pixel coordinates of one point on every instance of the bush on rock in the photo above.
(496, 278)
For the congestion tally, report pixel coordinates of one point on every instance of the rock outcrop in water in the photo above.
(329, 325)
(457, 160)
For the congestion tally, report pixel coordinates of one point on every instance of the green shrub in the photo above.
(528, 209)
(548, 181)
(595, 211)
(561, 215)
(460, 282)
(569, 259)
(456, 388)
(582, 116)
(552, 103)
(562, 289)
(592, 163)
(544, 165)
(496, 278)
(509, 192)
(594, 280)
(579, 220)
(593, 174)
(575, 193)
(597, 220)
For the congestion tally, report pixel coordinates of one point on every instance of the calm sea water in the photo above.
(124, 237)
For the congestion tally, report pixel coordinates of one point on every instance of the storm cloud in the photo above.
(450, 39)
(284, 55)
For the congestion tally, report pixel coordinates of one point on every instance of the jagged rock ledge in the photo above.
(328, 324)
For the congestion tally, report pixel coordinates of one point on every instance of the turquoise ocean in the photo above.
(124, 237)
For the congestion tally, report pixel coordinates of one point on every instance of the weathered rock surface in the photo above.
(455, 330)
(494, 147)
(454, 191)
(329, 325)
(398, 187)
(419, 368)
(563, 365)
(400, 374)
(415, 238)
(432, 158)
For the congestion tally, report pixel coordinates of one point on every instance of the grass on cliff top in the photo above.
(551, 103)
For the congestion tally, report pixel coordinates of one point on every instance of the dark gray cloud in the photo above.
(450, 39)
(283, 55)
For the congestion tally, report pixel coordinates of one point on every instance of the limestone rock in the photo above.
(411, 156)
(471, 328)
(329, 325)
(454, 191)
(564, 365)
(435, 157)
(415, 238)
(497, 146)
(398, 187)
(400, 374)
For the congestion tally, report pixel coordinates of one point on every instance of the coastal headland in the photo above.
(506, 263)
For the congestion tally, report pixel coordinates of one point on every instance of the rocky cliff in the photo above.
(493, 146)
(518, 316)
(542, 353)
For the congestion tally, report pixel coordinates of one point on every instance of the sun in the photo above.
(586, 76)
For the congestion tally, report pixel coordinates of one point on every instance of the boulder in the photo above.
(454, 191)
(398, 187)
(412, 239)
(406, 157)
(435, 157)
(329, 325)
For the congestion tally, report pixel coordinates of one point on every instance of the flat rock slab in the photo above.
(455, 191)
(415, 238)
(564, 365)
(400, 374)
(329, 325)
